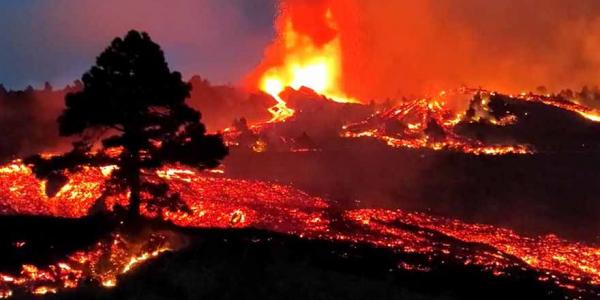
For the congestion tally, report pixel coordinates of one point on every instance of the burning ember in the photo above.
(222, 202)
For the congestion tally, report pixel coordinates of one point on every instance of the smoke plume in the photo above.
(398, 48)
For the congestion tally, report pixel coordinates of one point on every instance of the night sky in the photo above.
(57, 40)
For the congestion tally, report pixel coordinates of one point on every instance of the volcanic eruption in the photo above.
(148, 171)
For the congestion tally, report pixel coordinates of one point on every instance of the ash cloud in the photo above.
(398, 48)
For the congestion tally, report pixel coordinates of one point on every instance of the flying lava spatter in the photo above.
(303, 63)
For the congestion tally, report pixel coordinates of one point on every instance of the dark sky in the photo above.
(58, 40)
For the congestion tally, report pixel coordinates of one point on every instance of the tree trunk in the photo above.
(134, 185)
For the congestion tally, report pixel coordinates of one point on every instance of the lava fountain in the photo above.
(299, 59)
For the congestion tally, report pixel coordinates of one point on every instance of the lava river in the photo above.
(220, 202)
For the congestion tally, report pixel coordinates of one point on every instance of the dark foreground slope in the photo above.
(44, 240)
(252, 264)
(258, 265)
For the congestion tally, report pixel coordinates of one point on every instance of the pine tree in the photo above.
(133, 105)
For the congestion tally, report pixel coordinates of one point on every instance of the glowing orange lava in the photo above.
(304, 64)
(102, 263)
(427, 124)
(221, 202)
(418, 115)
(586, 112)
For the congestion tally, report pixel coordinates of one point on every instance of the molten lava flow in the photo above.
(586, 112)
(102, 263)
(426, 123)
(280, 111)
(221, 202)
(302, 62)
(578, 262)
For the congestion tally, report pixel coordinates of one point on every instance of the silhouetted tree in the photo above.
(135, 105)
(47, 87)
(434, 131)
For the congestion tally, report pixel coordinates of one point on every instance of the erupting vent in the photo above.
(303, 62)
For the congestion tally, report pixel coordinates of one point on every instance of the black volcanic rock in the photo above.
(251, 264)
(547, 128)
